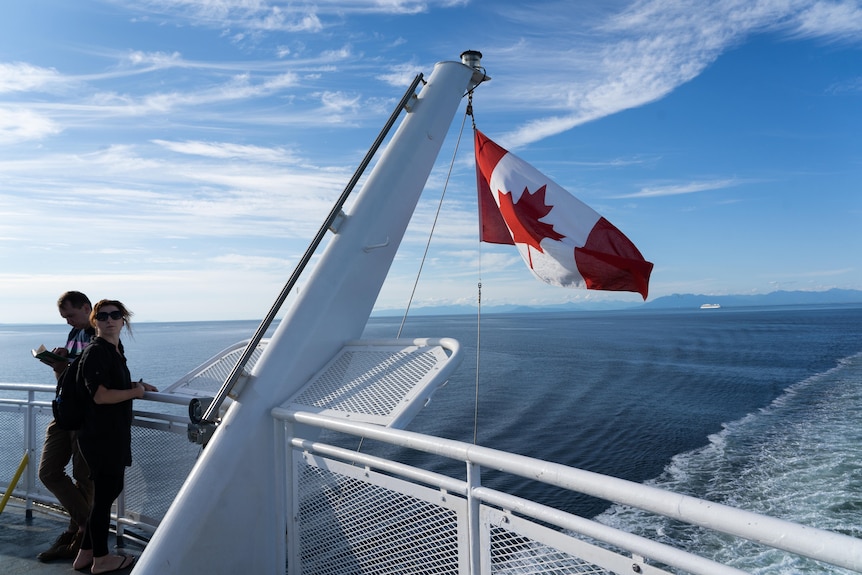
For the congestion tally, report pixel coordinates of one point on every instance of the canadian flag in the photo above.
(563, 241)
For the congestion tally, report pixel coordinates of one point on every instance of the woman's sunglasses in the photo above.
(104, 315)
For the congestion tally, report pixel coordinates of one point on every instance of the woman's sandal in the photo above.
(83, 560)
(122, 562)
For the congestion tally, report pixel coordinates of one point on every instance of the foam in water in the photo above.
(798, 459)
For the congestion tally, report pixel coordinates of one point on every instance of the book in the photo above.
(47, 356)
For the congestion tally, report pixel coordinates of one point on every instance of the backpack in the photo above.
(72, 401)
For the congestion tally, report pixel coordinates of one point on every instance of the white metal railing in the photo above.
(482, 514)
(162, 455)
(350, 512)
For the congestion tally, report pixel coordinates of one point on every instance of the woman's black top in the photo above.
(106, 437)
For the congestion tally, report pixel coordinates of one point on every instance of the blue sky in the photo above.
(179, 155)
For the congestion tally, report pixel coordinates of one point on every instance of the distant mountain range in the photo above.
(675, 301)
(832, 296)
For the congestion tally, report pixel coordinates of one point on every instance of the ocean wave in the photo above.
(799, 459)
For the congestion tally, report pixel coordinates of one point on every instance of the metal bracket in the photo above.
(199, 431)
(408, 106)
(367, 249)
(337, 221)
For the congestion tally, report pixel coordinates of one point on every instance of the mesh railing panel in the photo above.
(517, 543)
(207, 379)
(161, 461)
(352, 526)
(517, 554)
(162, 458)
(12, 449)
(353, 520)
(372, 382)
(384, 382)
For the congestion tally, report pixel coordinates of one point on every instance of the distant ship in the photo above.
(710, 306)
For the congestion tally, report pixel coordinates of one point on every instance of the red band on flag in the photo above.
(610, 261)
(492, 227)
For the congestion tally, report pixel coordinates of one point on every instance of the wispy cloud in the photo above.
(686, 188)
(23, 77)
(240, 87)
(155, 60)
(837, 21)
(18, 124)
(228, 150)
(198, 189)
(280, 16)
(603, 59)
(641, 54)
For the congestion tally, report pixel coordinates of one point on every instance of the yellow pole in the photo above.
(15, 479)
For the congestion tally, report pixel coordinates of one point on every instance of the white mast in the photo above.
(225, 518)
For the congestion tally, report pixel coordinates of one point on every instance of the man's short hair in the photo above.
(74, 298)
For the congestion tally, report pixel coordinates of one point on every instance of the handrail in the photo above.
(24, 387)
(827, 546)
(215, 405)
(31, 490)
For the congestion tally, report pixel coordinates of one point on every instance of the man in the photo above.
(61, 446)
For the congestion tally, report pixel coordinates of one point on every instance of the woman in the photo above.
(106, 438)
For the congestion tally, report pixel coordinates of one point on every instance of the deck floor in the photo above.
(21, 539)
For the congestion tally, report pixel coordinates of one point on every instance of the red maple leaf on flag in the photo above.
(523, 217)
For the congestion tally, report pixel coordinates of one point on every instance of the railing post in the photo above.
(121, 514)
(30, 477)
(291, 491)
(281, 500)
(474, 539)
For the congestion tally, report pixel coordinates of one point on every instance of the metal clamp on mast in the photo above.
(204, 418)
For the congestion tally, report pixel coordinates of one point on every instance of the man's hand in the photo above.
(57, 365)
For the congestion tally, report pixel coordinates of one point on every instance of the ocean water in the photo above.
(753, 407)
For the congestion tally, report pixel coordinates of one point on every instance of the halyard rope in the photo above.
(468, 112)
